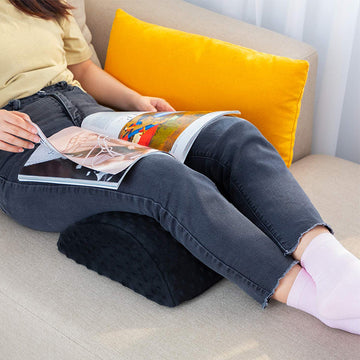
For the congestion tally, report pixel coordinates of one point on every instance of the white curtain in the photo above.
(333, 28)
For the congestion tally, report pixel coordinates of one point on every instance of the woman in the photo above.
(236, 206)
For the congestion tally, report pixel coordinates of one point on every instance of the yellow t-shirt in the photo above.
(34, 52)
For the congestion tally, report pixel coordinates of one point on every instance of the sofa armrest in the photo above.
(181, 15)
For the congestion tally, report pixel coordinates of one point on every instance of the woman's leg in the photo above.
(252, 175)
(185, 202)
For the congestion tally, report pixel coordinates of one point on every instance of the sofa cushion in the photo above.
(333, 185)
(137, 252)
(195, 72)
(52, 308)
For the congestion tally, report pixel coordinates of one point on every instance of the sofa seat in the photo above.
(53, 308)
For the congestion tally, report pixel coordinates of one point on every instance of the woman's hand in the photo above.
(16, 131)
(147, 103)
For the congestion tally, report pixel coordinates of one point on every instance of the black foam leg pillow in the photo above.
(137, 252)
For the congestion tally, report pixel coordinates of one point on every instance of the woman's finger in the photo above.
(22, 115)
(10, 148)
(165, 106)
(19, 119)
(20, 132)
(16, 131)
(16, 123)
(162, 105)
(169, 107)
(13, 140)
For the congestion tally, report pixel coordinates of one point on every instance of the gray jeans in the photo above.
(233, 204)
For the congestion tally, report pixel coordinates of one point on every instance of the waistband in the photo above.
(14, 105)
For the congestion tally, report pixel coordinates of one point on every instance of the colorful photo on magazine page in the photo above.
(158, 130)
(96, 151)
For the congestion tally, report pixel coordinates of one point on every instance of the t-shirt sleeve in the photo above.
(75, 46)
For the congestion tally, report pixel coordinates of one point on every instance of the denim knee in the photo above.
(166, 171)
(230, 138)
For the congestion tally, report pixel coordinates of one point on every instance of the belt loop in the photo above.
(61, 84)
(15, 104)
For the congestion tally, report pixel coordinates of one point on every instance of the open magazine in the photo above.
(108, 144)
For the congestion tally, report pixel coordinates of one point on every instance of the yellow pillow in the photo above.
(194, 72)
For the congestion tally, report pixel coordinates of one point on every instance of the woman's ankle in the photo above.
(306, 239)
(282, 291)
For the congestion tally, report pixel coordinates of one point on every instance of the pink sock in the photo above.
(336, 274)
(303, 296)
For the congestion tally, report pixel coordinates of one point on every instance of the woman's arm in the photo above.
(110, 92)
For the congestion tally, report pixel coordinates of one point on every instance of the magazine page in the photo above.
(172, 132)
(97, 151)
(185, 140)
(47, 165)
(44, 140)
(110, 122)
(90, 149)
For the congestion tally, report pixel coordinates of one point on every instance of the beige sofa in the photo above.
(53, 308)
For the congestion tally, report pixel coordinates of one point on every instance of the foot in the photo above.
(335, 274)
(303, 296)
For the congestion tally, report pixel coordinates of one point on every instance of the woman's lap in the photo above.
(52, 109)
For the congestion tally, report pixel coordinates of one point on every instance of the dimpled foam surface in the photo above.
(137, 252)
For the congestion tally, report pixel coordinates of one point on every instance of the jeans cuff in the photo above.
(266, 301)
(290, 251)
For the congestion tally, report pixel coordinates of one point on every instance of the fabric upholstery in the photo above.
(137, 252)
